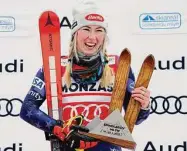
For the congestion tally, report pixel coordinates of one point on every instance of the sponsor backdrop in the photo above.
(145, 27)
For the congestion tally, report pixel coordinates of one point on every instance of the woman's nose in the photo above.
(92, 35)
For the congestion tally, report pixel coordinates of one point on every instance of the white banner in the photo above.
(145, 27)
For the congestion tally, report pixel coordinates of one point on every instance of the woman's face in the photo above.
(90, 38)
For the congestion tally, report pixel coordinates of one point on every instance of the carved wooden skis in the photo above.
(143, 79)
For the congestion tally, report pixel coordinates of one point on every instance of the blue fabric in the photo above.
(30, 111)
(102, 146)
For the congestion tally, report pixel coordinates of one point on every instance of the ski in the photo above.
(49, 28)
(143, 79)
(102, 130)
(121, 79)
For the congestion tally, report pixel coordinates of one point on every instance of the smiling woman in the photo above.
(87, 85)
(88, 47)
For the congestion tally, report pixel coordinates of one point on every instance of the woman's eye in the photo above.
(86, 29)
(99, 30)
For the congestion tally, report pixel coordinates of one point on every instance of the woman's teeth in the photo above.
(90, 44)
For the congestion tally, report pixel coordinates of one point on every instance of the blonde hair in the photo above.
(107, 78)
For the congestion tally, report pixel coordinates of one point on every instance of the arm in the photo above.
(30, 111)
(144, 113)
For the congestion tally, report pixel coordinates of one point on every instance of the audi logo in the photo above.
(10, 107)
(169, 105)
(98, 110)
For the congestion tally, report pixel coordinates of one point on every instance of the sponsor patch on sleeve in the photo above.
(38, 83)
(36, 95)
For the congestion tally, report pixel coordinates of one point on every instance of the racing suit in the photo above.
(90, 99)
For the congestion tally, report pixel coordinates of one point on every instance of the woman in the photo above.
(88, 79)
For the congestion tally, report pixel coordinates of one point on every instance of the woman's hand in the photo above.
(142, 95)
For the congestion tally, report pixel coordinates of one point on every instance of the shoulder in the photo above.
(38, 83)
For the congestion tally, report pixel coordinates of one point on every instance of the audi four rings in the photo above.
(97, 111)
(170, 104)
(10, 107)
(160, 105)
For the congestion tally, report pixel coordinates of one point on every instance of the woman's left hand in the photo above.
(142, 95)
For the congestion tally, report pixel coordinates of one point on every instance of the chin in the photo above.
(89, 53)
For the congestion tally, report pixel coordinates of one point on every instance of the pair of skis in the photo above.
(49, 26)
(121, 79)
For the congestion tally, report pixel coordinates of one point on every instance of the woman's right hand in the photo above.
(69, 132)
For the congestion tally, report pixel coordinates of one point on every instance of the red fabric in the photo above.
(77, 67)
(86, 145)
(57, 131)
(82, 145)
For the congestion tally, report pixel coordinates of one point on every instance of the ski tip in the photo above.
(47, 12)
(49, 18)
(150, 58)
(125, 52)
